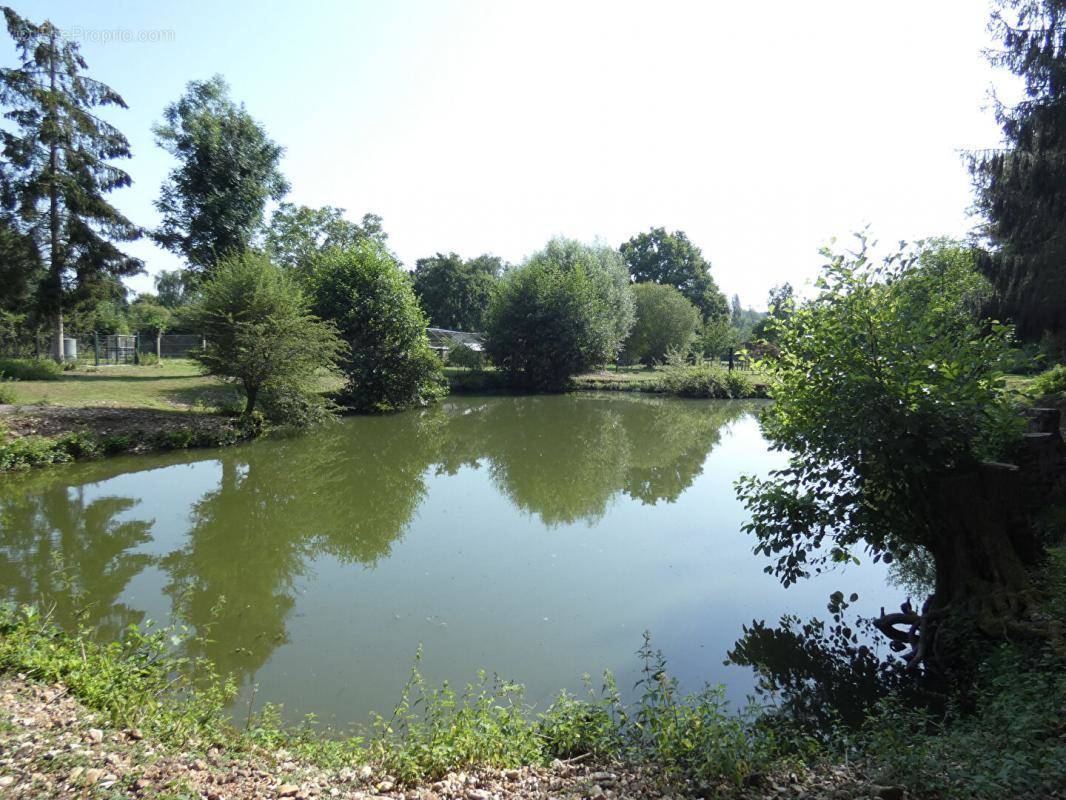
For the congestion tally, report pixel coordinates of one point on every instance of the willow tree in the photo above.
(1021, 189)
(889, 404)
(56, 166)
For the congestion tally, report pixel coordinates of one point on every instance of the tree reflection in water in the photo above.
(348, 491)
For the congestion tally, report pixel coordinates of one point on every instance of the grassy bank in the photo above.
(172, 385)
(694, 380)
(97, 411)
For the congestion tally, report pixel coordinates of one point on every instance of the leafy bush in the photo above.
(260, 333)
(32, 451)
(30, 369)
(7, 392)
(567, 309)
(135, 682)
(1008, 740)
(363, 291)
(665, 321)
(886, 381)
(1050, 382)
(707, 379)
(116, 443)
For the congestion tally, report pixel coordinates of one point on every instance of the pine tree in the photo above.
(1021, 189)
(56, 168)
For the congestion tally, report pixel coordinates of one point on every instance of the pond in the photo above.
(534, 537)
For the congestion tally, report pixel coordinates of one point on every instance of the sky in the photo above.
(761, 130)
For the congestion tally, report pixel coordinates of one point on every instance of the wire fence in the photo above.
(98, 348)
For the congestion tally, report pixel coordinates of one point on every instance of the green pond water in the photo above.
(534, 537)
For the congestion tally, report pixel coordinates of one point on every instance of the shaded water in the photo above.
(536, 537)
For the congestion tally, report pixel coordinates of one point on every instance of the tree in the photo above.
(172, 288)
(261, 335)
(56, 168)
(567, 309)
(1021, 189)
(670, 258)
(780, 301)
(147, 314)
(665, 321)
(455, 294)
(887, 400)
(212, 202)
(21, 269)
(297, 235)
(390, 365)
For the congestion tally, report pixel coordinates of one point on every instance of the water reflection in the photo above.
(233, 559)
(71, 553)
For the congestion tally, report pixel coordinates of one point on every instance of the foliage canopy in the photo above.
(390, 365)
(56, 171)
(1021, 189)
(454, 293)
(670, 258)
(665, 321)
(261, 335)
(885, 381)
(212, 202)
(567, 309)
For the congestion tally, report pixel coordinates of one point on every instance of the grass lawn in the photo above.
(175, 384)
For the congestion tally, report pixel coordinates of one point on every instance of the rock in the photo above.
(366, 772)
(385, 786)
(95, 735)
(477, 794)
(7, 780)
(142, 784)
(887, 792)
(199, 765)
(75, 774)
(596, 790)
(288, 790)
(93, 775)
(511, 774)
(134, 734)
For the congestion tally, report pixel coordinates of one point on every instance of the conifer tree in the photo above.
(56, 166)
(1021, 189)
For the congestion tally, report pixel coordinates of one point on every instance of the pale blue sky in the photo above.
(492, 126)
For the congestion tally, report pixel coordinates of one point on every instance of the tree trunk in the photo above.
(249, 405)
(56, 256)
(159, 345)
(984, 548)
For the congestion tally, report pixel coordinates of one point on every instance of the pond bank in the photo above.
(56, 745)
(39, 435)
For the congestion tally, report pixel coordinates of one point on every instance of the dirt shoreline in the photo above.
(51, 746)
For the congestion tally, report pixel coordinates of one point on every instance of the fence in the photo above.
(117, 348)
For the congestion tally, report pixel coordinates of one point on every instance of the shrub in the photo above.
(665, 321)
(1050, 382)
(116, 443)
(260, 333)
(707, 379)
(365, 293)
(7, 392)
(567, 309)
(32, 451)
(30, 369)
